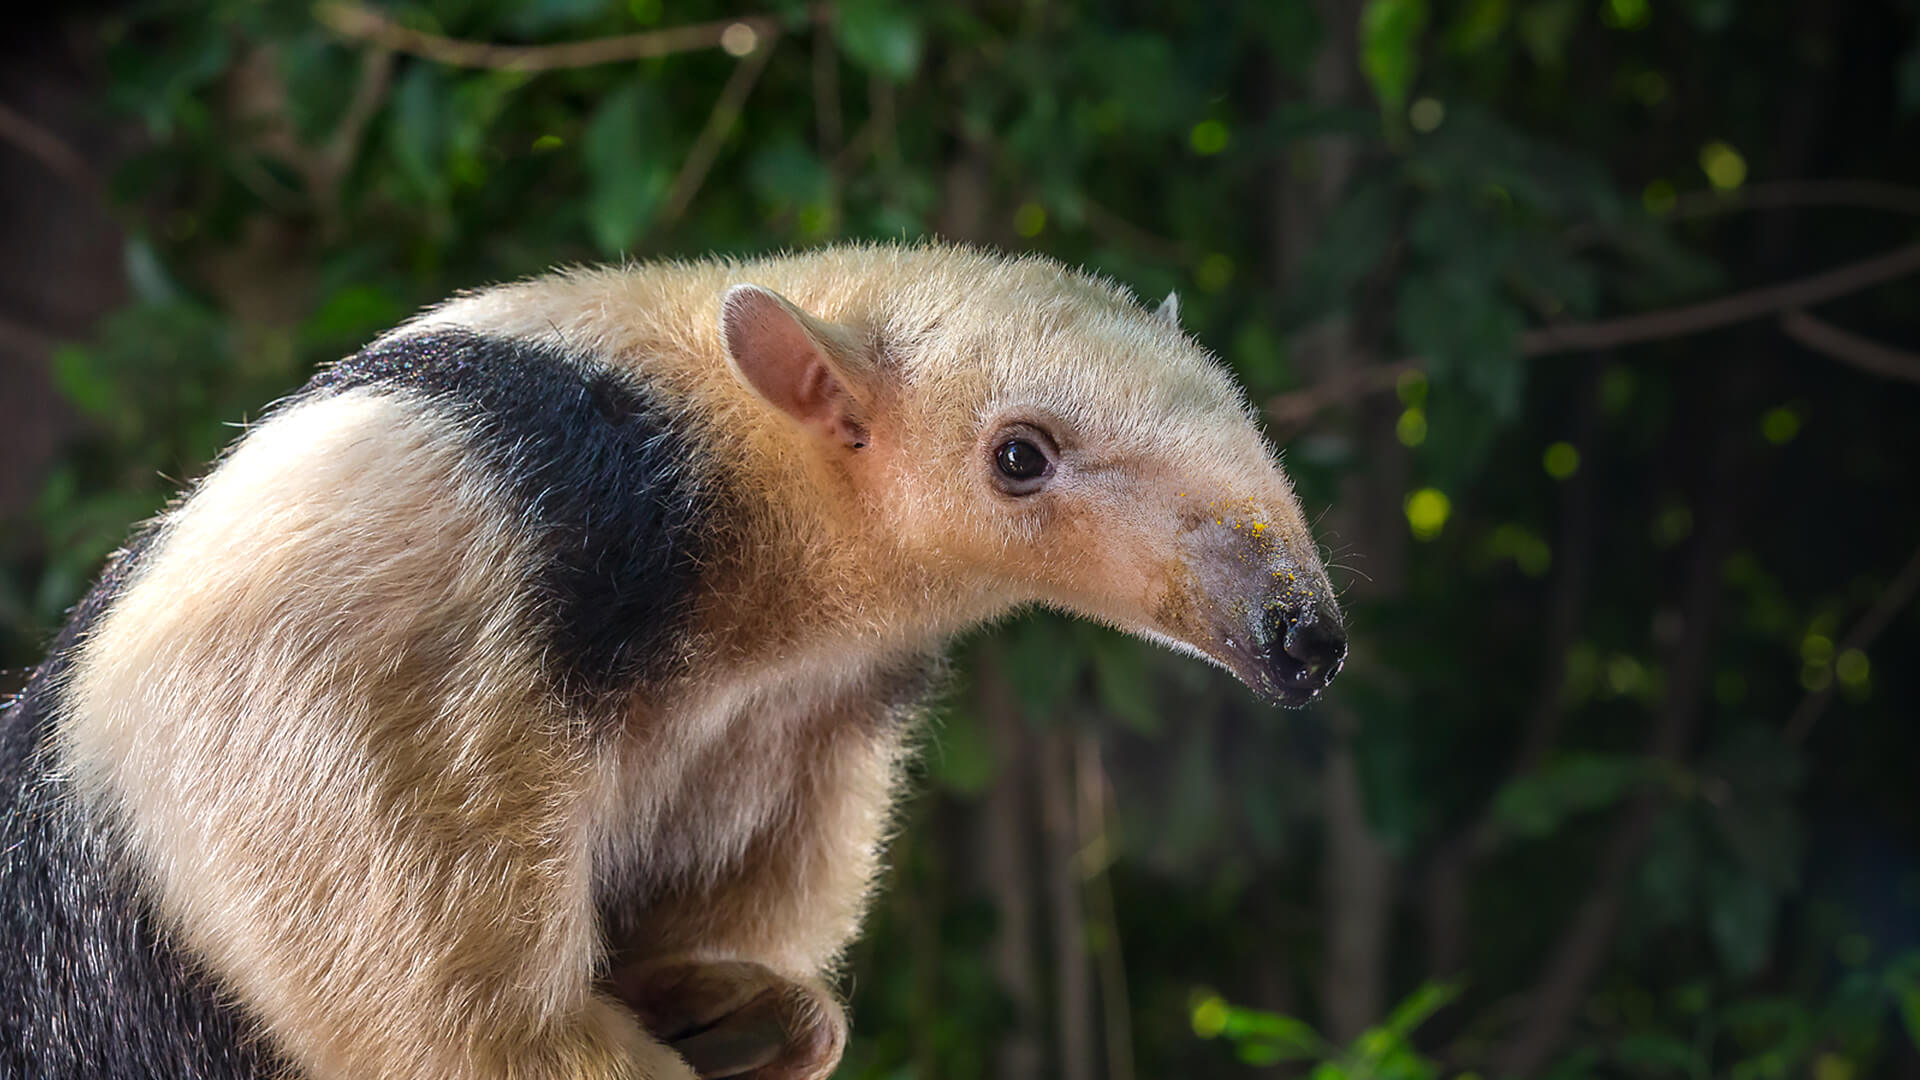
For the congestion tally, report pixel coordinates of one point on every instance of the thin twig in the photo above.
(369, 92)
(1849, 348)
(1110, 962)
(1896, 597)
(1297, 405)
(1725, 311)
(726, 110)
(48, 149)
(358, 22)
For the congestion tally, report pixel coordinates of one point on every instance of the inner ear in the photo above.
(803, 366)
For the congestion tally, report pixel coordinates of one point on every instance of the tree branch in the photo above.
(1297, 405)
(48, 149)
(1851, 349)
(1725, 311)
(1096, 849)
(1896, 597)
(357, 22)
(706, 147)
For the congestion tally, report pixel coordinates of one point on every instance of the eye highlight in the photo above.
(1022, 461)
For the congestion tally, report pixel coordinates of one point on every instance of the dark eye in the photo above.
(1021, 465)
(1021, 460)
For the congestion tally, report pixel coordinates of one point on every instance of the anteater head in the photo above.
(1036, 436)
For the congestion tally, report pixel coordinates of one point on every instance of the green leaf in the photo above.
(1658, 1053)
(418, 135)
(351, 314)
(1041, 663)
(1419, 1006)
(1273, 1037)
(625, 149)
(1467, 335)
(77, 374)
(1390, 49)
(962, 759)
(881, 36)
(1537, 804)
(786, 173)
(1350, 243)
(1125, 684)
(1478, 25)
(1741, 911)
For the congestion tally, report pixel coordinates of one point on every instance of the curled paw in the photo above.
(736, 1018)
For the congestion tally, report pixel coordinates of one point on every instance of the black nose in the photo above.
(1306, 647)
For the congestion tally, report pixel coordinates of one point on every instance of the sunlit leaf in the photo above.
(626, 149)
(880, 35)
(1390, 32)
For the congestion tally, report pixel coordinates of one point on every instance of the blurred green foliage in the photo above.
(1492, 166)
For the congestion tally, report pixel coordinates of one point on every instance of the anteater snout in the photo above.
(1306, 647)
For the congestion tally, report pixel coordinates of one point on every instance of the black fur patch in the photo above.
(595, 468)
(90, 986)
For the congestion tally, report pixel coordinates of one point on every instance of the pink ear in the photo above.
(783, 354)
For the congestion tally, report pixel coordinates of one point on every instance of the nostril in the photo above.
(1305, 648)
(1318, 648)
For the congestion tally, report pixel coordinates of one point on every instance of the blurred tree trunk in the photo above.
(61, 269)
(1357, 886)
(1073, 981)
(1004, 858)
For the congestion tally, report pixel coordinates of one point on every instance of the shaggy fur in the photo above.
(548, 665)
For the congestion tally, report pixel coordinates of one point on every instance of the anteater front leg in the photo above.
(736, 1018)
(735, 973)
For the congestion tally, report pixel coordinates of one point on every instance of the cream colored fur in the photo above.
(321, 716)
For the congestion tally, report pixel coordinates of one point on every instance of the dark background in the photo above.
(1587, 326)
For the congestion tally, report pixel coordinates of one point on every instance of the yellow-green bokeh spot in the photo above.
(1208, 137)
(1780, 425)
(1412, 427)
(1561, 460)
(1725, 168)
(1214, 273)
(1426, 115)
(1816, 649)
(1030, 219)
(1852, 668)
(1427, 512)
(1209, 1016)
